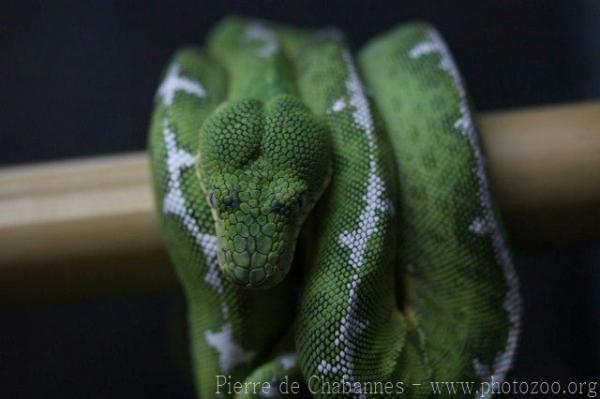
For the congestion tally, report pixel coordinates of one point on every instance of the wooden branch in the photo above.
(86, 227)
(546, 157)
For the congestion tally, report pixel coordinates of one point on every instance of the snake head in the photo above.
(262, 168)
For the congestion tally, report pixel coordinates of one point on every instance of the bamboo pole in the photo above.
(86, 227)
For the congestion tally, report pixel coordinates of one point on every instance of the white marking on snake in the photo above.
(464, 124)
(339, 105)
(287, 360)
(258, 31)
(230, 354)
(357, 240)
(479, 226)
(174, 201)
(175, 82)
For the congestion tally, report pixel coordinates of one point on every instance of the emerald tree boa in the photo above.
(330, 219)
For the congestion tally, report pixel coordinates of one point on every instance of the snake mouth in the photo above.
(255, 255)
(247, 270)
(254, 269)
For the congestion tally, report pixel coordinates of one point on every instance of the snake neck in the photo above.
(258, 66)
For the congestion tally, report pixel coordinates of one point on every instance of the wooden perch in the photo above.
(86, 227)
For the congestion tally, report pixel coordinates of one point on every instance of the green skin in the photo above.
(404, 270)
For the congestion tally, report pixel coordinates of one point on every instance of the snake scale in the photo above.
(330, 220)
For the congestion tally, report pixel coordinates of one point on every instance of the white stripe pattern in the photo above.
(487, 223)
(229, 352)
(174, 82)
(357, 240)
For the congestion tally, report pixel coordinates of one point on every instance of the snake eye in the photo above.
(232, 203)
(277, 207)
(212, 200)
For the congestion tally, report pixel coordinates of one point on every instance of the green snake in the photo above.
(330, 220)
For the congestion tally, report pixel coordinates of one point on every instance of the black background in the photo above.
(77, 78)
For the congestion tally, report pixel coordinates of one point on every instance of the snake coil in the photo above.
(269, 136)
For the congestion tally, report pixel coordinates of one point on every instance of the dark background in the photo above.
(77, 78)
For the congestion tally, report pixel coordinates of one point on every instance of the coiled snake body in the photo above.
(268, 136)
